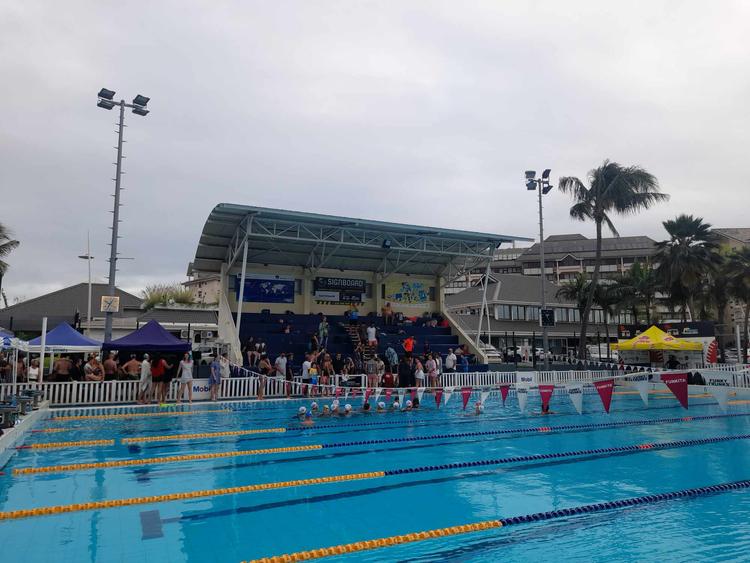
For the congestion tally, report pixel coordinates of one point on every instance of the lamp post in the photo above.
(88, 259)
(139, 108)
(546, 319)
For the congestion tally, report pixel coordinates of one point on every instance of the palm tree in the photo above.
(576, 291)
(738, 267)
(637, 288)
(717, 292)
(690, 254)
(609, 298)
(7, 245)
(623, 190)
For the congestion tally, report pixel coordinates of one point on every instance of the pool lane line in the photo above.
(136, 415)
(379, 543)
(99, 505)
(311, 447)
(158, 460)
(75, 444)
(52, 430)
(168, 437)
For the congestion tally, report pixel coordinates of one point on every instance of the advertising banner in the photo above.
(201, 390)
(277, 289)
(340, 290)
(406, 292)
(575, 393)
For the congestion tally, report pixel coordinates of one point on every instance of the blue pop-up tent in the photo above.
(151, 337)
(64, 338)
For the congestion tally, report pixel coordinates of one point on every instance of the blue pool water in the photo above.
(238, 527)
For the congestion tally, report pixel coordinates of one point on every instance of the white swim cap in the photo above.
(314, 405)
(335, 404)
(347, 407)
(408, 403)
(396, 404)
(302, 410)
(381, 405)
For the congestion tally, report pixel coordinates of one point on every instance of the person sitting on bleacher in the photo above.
(408, 345)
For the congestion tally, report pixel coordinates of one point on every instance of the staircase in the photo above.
(356, 340)
(492, 354)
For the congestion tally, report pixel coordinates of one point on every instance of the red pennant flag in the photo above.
(545, 392)
(605, 388)
(677, 383)
(413, 393)
(504, 388)
(338, 391)
(465, 394)
(304, 388)
(438, 397)
(388, 393)
(314, 389)
(368, 392)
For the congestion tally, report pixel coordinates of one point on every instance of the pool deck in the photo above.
(13, 436)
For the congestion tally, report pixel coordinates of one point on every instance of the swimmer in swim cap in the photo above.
(408, 406)
(314, 407)
(347, 409)
(415, 403)
(326, 411)
(301, 412)
(395, 406)
(308, 421)
(478, 408)
(366, 407)
(381, 406)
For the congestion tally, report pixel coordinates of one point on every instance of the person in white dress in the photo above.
(145, 383)
(185, 373)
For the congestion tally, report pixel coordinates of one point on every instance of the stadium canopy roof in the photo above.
(313, 241)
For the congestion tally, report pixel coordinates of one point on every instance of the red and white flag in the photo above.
(504, 388)
(545, 392)
(388, 393)
(465, 395)
(368, 392)
(678, 385)
(448, 391)
(438, 396)
(605, 387)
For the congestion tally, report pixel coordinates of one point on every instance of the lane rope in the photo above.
(501, 523)
(134, 415)
(265, 451)
(168, 437)
(76, 444)
(78, 507)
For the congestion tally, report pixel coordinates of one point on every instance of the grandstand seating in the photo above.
(268, 327)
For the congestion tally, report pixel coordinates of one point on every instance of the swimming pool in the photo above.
(401, 483)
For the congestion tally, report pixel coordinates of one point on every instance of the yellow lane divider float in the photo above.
(102, 504)
(169, 437)
(380, 543)
(135, 415)
(156, 460)
(78, 443)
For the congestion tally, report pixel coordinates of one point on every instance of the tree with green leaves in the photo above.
(612, 189)
(686, 259)
(7, 245)
(715, 295)
(637, 288)
(609, 298)
(738, 268)
(577, 291)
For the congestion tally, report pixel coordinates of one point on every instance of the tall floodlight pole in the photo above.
(546, 316)
(139, 108)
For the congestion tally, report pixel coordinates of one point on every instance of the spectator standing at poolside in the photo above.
(159, 369)
(371, 369)
(131, 368)
(185, 373)
(450, 361)
(381, 369)
(265, 369)
(20, 368)
(464, 362)
(338, 363)
(323, 332)
(406, 372)
(61, 368)
(225, 365)
(214, 379)
(418, 373)
(93, 371)
(110, 367)
(32, 374)
(280, 366)
(391, 357)
(431, 371)
(306, 365)
(145, 383)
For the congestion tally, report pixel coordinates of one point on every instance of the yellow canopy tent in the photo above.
(656, 339)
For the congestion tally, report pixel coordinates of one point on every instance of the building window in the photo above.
(518, 313)
(532, 313)
(561, 315)
(503, 312)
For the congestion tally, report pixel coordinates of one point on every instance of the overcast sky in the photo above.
(416, 112)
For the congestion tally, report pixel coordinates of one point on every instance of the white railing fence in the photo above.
(126, 392)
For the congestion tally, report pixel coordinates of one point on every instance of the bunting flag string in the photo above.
(368, 392)
(545, 392)
(388, 394)
(378, 391)
(465, 395)
(575, 394)
(401, 392)
(413, 393)
(605, 387)
(438, 396)
(420, 393)
(678, 385)
(447, 392)
(641, 383)
(483, 395)
(718, 383)
(504, 388)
